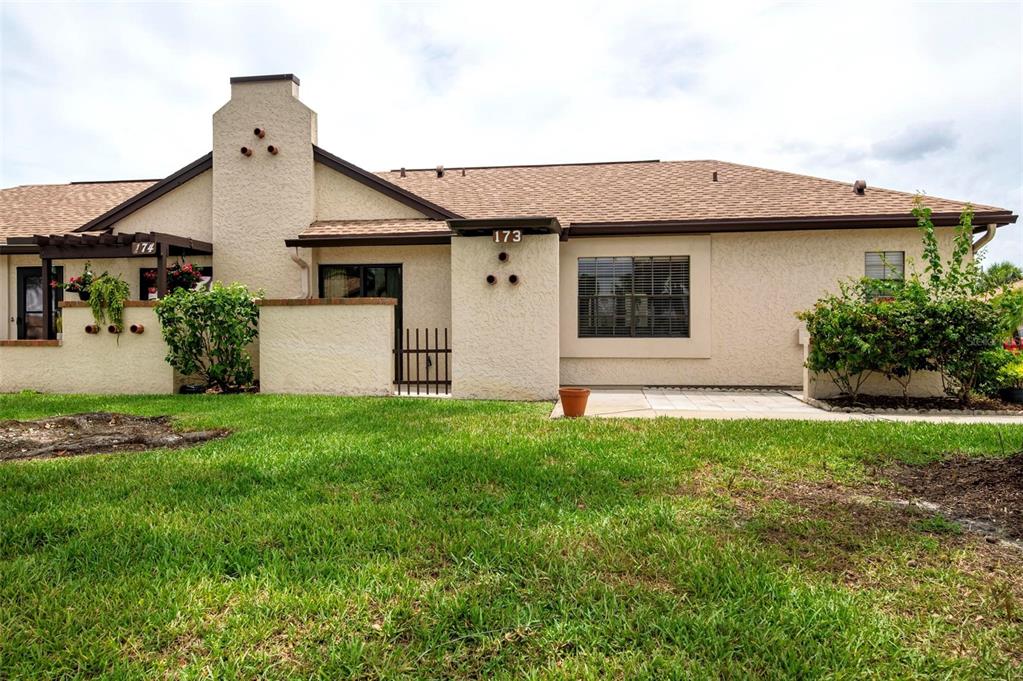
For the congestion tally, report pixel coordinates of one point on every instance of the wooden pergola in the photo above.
(86, 246)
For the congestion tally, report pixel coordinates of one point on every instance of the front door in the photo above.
(366, 281)
(31, 325)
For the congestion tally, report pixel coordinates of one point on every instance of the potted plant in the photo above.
(107, 297)
(179, 275)
(1011, 379)
(573, 401)
(81, 285)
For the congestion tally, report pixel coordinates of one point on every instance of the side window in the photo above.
(885, 265)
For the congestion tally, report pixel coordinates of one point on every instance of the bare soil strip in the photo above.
(985, 490)
(94, 433)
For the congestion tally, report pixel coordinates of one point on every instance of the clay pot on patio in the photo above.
(573, 401)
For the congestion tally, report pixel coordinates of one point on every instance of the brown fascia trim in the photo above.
(18, 249)
(655, 227)
(381, 185)
(147, 196)
(529, 224)
(406, 239)
(257, 79)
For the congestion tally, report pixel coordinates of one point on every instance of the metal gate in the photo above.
(423, 364)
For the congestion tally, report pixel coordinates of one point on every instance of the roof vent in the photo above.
(440, 171)
(402, 172)
(860, 187)
(714, 176)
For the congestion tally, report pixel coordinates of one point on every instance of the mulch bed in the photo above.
(920, 403)
(94, 433)
(988, 490)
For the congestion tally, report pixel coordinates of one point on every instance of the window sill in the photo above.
(30, 343)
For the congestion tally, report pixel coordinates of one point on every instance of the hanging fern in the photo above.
(108, 295)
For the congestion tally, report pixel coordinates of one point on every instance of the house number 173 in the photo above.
(503, 236)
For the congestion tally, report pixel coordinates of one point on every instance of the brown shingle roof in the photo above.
(372, 227)
(59, 208)
(653, 191)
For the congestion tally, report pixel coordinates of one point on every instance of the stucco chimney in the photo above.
(262, 199)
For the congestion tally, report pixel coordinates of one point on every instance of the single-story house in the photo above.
(498, 282)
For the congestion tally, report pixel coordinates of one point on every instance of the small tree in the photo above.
(1000, 275)
(207, 331)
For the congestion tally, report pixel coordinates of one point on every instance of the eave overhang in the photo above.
(336, 240)
(530, 224)
(779, 224)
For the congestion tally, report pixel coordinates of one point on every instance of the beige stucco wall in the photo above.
(341, 198)
(103, 363)
(504, 337)
(185, 211)
(758, 281)
(327, 349)
(261, 200)
(425, 272)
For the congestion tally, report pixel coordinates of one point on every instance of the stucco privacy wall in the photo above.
(327, 347)
(263, 199)
(342, 198)
(758, 281)
(504, 336)
(185, 211)
(103, 363)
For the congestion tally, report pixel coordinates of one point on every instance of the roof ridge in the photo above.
(840, 183)
(523, 165)
(113, 181)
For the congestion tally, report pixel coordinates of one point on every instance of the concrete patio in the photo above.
(740, 404)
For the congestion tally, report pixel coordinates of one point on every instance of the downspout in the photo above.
(988, 236)
(305, 273)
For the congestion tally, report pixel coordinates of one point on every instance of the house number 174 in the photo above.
(503, 236)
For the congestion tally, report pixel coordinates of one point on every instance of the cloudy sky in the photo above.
(914, 97)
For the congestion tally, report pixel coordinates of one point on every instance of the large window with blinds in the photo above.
(634, 297)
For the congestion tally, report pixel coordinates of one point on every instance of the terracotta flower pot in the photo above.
(573, 401)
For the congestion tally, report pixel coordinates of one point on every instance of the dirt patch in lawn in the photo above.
(94, 433)
(987, 492)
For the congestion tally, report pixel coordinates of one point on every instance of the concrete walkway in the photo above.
(740, 404)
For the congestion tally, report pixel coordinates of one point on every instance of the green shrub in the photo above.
(1010, 375)
(207, 331)
(936, 321)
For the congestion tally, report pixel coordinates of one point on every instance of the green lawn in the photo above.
(395, 538)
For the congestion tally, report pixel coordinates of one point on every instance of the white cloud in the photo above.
(913, 97)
